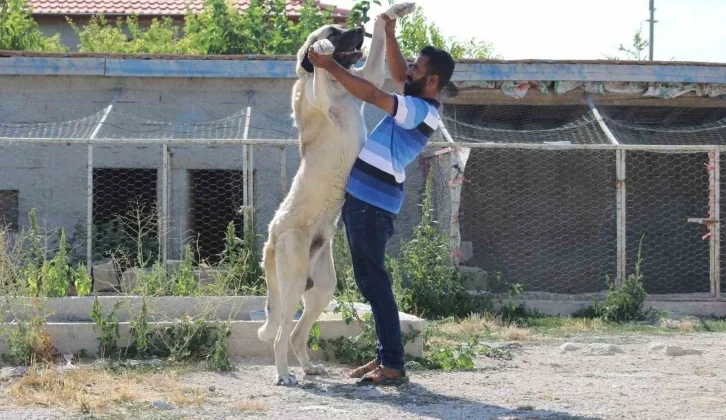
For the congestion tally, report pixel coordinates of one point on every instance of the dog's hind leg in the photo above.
(272, 309)
(291, 258)
(322, 286)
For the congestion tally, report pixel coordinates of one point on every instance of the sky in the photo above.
(686, 30)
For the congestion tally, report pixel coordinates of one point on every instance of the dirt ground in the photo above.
(621, 377)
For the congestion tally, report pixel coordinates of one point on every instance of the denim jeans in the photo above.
(368, 229)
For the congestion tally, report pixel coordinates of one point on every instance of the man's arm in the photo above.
(397, 65)
(357, 86)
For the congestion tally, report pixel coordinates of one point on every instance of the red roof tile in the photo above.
(147, 7)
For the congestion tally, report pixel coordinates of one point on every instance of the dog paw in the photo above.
(323, 47)
(400, 9)
(288, 380)
(315, 370)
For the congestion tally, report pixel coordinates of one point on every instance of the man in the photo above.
(374, 192)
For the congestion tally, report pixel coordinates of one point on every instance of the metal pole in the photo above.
(164, 220)
(245, 176)
(621, 211)
(89, 190)
(601, 122)
(652, 29)
(714, 222)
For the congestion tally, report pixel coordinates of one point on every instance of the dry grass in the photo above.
(251, 405)
(96, 389)
(455, 331)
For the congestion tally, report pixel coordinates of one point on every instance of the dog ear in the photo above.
(306, 64)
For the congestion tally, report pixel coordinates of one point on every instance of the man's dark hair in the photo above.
(440, 63)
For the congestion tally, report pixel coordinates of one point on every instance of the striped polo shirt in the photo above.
(379, 171)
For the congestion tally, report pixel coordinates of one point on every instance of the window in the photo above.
(9, 209)
(215, 200)
(124, 205)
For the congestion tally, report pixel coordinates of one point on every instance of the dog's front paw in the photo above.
(323, 47)
(400, 9)
(288, 380)
(315, 370)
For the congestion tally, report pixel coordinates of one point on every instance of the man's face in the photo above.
(416, 77)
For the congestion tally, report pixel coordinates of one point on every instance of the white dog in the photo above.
(297, 257)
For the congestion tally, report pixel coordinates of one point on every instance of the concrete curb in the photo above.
(71, 329)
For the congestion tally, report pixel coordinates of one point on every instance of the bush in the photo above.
(621, 304)
(18, 30)
(426, 282)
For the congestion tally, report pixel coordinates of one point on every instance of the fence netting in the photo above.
(525, 193)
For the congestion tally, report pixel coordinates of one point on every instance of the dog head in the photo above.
(347, 42)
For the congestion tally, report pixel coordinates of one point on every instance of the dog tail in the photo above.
(272, 309)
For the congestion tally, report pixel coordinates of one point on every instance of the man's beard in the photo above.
(411, 88)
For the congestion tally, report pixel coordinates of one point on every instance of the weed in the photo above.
(82, 281)
(109, 323)
(218, 359)
(29, 342)
(624, 303)
(426, 282)
(185, 283)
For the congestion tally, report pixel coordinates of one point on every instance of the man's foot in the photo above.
(362, 370)
(384, 376)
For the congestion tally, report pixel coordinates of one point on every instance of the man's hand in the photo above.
(390, 25)
(320, 54)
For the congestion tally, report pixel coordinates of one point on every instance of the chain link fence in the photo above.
(540, 196)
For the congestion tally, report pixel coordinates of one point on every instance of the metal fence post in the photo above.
(89, 189)
(714, 202)
(164, 219)
(283, 173)
(621, 212)
(245, 169)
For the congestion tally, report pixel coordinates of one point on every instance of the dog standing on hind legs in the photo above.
(297, 256)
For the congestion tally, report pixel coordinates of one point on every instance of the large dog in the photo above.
(297, 256)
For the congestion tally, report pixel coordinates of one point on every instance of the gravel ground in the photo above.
(596, 378)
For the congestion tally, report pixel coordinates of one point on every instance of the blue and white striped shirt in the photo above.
(379, 171)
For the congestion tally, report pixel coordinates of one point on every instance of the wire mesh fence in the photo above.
(538, 195)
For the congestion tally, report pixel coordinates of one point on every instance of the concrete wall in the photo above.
(53, 178)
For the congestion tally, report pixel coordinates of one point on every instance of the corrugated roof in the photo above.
(148, 7)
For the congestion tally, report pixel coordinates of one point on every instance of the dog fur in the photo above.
(297, 256)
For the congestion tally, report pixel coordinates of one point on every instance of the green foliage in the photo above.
(82, 281)
(241, 261)
(185, 283)
(624, 303)
(19, 31)
(108, 324)
(416, 32)
(637, 50)
(161, 36)
(426, 282)
(218, 360)
(359, 13)
(28, 341)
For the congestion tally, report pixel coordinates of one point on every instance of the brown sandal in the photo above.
(384, 376)
(362, 370)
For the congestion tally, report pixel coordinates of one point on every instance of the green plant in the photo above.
(29, 341)
(426, 282)
(241, 262)
(623, 303)
(140, 332)
(108, 324)
(185, 283)
(19, 31)
(82, 281)
(359, 13)
(218, 360)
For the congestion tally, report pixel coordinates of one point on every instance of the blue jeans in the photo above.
(368, 229)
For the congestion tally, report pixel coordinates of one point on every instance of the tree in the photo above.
(19, 31)
(636, 51)
(415, 32)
